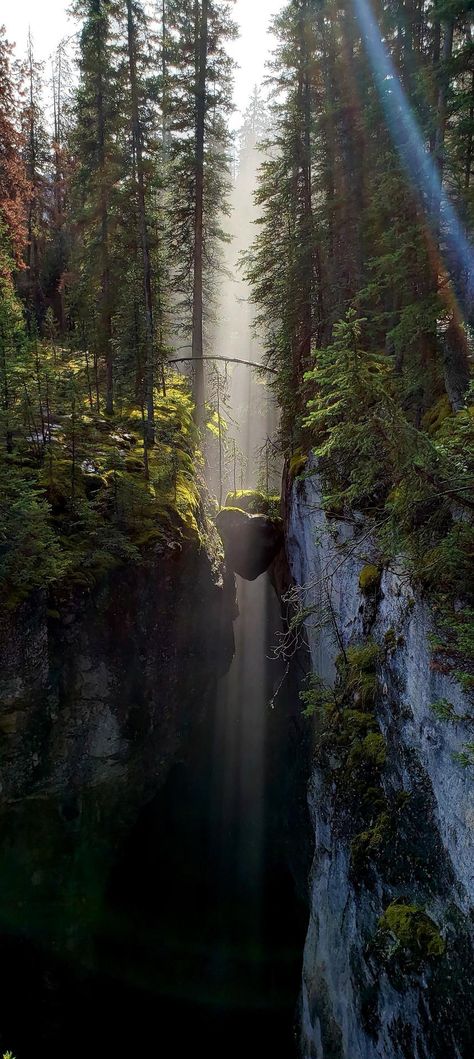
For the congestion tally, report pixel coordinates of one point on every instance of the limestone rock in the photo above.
(251, 542)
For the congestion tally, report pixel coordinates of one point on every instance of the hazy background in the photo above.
(249, 406)
(49, 23)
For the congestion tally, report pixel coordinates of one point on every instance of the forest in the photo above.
(354, 273)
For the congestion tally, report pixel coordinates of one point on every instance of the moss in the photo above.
(56, 479)
(357, 673)
(371, 751)
(434, 418)
(390, 639)
(375, 748)
(251, 500)
(364, 688)
(369, 842)
(352, 748)
(364, 657)
(379, 838)
(297, 464)
(102, 511)
(93, 483)
(134, 465)
(373, 800)
(155, 535)
(254, 502)
(409, 930)
(356, 722)
(369, 579)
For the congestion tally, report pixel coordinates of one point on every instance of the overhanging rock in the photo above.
(251, 542)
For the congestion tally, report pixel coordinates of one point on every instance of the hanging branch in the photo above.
(227, 360)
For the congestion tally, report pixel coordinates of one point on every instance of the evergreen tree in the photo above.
(350, 198)
(37, 159)
(15, 189)
(15, 198)
(200, 85)
(96, 147)
(60, 237)
(289, 295)
(136, 21)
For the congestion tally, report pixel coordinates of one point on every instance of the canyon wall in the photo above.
(100, 692)
(388, 969)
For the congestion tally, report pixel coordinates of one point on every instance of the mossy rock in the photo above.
(390, 640)
(370, 751)
(93, 483)
(412, 932)
(123, 441)
(254, 502)
(358, 723)
(56, 479)
(133, 465)
(297, 463)
(364, 657)
(375, 748)
(251, 542)
(357, 671)
(369, 843)
(434, 418)
(369, 579)
(232, 507)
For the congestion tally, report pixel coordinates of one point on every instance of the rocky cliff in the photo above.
(99, 693)
(388, 969)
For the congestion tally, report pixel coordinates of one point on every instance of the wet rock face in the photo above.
(97, 699)
(361, 997)
(251, 542)
(101, 687)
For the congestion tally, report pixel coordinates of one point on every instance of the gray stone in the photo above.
(251, 542)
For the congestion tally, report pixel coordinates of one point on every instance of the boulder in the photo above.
(251, 542)
(254, 502)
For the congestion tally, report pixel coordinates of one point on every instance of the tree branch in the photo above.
(228, 360)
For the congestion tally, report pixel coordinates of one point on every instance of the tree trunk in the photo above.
(34, 298)
(468, 161)
(201, 44)
(142, 225)
(441, 120)
(456, 363)
(59, 183)
(106, 309)
(164, 88)
(333, 306)
(454, 342)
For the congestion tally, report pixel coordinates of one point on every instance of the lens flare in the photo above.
(409, 141)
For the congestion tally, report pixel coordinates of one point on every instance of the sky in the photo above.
(49, 23)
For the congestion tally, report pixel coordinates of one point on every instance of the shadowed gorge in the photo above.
(236, 529)
(191, 918)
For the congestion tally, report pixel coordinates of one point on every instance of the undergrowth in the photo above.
(80, 494)
(413, 482)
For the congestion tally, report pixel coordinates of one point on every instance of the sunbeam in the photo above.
(409, 141)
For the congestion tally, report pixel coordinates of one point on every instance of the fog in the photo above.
(245, 395)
